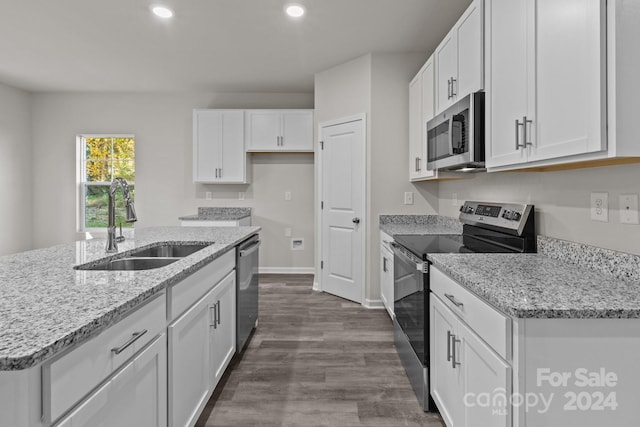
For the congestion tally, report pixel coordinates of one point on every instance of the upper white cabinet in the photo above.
(421, 110)
(459, 59)
(219, 155)
(545, 85)
(279, 130)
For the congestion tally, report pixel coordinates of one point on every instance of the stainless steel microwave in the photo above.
(455, 137)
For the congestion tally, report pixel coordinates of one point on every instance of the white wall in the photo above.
(562, 200)
(162, 125)
(377, 85)
(15, 170)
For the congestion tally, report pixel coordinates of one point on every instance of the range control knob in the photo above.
(506, 214)
(462, 208)
(469, 209)
(516, 216)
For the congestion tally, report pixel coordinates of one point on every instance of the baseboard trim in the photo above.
(373, 303)
(316, 286)
(286, 270)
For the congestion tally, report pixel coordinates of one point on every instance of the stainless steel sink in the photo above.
(168, 250)
(130, 264)
(155, 256)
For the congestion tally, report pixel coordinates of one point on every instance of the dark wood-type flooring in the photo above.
(315, 360)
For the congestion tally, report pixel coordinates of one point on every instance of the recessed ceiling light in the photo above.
(295, 10)
(162, 12)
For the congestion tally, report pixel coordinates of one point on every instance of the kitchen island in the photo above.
(51, 310)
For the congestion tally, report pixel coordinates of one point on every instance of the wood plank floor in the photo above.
(315, 360)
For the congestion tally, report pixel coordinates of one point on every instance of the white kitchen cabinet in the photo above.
(386, 272)
(135, 396)
(464, 365)
(219, 155)
(201, 344)
(421, 110)
(459, 59)
(446, 379)
(279, 130)
(223, 334)
(546, 80)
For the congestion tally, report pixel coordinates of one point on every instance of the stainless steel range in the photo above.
(487, 227)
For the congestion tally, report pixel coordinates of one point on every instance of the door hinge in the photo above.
(321, 265)
(322, 145)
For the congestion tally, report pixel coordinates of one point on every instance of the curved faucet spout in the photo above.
(130, 215)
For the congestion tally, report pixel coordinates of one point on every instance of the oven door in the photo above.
(411, 293)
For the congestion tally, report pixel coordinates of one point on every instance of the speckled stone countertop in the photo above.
(563, 280)
(419, 224)
(47, 306)
(218, 214)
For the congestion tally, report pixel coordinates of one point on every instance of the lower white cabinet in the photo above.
(201, 344)
(386, 272)
(465, 371)
(135, 396)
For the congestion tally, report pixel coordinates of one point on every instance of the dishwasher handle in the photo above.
(251, 249)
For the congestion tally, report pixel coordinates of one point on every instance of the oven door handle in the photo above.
(396, 251)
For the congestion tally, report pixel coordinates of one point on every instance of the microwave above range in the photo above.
(455, 137)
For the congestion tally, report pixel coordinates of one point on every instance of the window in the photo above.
(103, 158)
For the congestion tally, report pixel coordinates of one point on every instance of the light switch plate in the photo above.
(629, 209)
(208, 195)
(287, 195)
(408, 198)
(600, 207)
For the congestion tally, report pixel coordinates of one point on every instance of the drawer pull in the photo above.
(134, 338)
(453, 300)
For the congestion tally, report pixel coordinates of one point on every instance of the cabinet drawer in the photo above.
(186, 292)
(69, 378)
(492, 326)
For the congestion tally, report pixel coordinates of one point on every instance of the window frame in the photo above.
(81, 175)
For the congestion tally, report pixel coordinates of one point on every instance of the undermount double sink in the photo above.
(147, 258)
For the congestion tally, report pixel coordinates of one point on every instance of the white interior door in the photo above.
(342, 214)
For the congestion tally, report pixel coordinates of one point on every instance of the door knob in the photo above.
(356, 220)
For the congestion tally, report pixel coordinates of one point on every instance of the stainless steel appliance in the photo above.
(488, 227)
(246, 289)
(455, 137)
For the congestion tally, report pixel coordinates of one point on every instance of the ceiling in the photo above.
(209, 45)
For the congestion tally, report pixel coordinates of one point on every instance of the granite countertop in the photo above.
(584, 282)
(218, 214)
(47, 306)
(419, 224)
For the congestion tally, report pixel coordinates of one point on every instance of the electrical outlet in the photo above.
(454, 199)
(287, 232)
(408, 197)
(629, 209)
(287, 195)
(600, 207)
(241, 195)
(208, 195)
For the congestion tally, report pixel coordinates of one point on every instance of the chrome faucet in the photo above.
(112, 245)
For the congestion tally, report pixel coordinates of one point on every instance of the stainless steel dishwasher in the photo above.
(246, 289)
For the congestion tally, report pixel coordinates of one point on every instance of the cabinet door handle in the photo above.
(449, 335)
(384, 264)
(518, 145)
(417, 164)
(454, 363)
(220, 169)
(525, 138)
(453, 300)
(134, 338)
(453, 82)
(449, 89)
(213, 320)
(218, 312)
